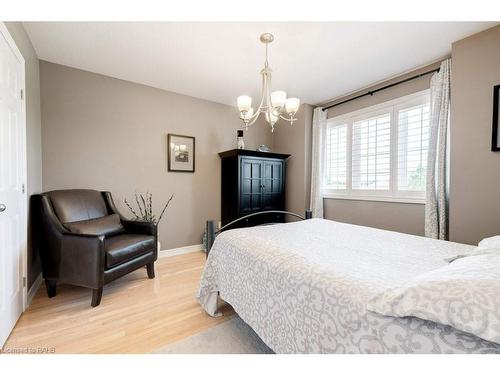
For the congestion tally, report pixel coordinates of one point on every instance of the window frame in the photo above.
(393, 194)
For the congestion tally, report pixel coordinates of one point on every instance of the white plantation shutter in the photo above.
(379, 153)
(336, 157)
(371, 153)
(413, 146)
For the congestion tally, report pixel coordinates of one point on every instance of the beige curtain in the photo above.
(436, 206)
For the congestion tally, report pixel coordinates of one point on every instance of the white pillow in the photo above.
(477, 251)
(489, 243)
(485, 246)
(464, 294)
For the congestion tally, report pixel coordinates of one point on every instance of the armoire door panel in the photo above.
(246, 169)
(251, 185)
(276, 188)
(267, 201)
(245, 204)
(256, 185)
(256, 169)
(246, 186)
(256, 202)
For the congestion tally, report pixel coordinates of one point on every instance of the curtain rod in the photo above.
(371, 92)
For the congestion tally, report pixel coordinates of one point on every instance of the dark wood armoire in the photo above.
(252, 181)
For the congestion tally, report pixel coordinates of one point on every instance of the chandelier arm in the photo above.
(264, 85)
(250, 121)
(255, 115)
(268, 94)
(291, 118)
(253, 119)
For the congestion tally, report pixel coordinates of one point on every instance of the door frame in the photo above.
(24, 204)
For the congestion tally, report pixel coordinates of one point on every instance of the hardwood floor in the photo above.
(136, 315)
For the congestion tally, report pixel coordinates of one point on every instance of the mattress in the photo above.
(304, 286)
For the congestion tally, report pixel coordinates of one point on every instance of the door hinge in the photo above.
(23, 188)
(24, 281)
(22, 94)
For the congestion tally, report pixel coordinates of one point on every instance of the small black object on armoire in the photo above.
(252, 181)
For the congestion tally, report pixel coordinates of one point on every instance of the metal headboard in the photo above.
(212, 232)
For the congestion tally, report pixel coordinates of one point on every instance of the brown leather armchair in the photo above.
(83, 240)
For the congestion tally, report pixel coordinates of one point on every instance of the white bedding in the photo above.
(303, 287)
(464, 294)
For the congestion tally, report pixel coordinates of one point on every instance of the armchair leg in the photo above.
(151, 270)
(51, 288)
(96, 297)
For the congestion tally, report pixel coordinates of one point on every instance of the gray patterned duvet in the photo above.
(303, 287)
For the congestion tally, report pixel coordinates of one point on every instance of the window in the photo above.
(413, 144)
(379, 153)
(371, 152)
(336, 141)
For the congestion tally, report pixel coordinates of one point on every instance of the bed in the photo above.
(304, 287)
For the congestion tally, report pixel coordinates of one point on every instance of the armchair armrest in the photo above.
(82, 260)
(131, 226)
(68, 257)
(140, 227)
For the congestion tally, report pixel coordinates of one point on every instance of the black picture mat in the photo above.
(495, 144)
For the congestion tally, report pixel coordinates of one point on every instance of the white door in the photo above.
(12, 188)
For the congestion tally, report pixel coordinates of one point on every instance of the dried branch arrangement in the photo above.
(144, 209)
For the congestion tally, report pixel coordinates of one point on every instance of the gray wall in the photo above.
(400, 217)
(108, 134)
(475, 170)
(296, 141)
(33, 130)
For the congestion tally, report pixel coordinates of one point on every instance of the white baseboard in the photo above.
(34, 288)
(180, 250)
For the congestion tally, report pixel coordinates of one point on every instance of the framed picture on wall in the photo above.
(181, 153)
(495, 142)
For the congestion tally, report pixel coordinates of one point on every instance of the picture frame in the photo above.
(181, 153)
(495, 139)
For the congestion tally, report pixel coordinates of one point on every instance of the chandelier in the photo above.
(274, 105)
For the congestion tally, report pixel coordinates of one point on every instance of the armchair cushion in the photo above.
(77, 204)
(103, 226)
(125, 247)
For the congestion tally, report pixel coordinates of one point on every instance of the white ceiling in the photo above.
(219, 61)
